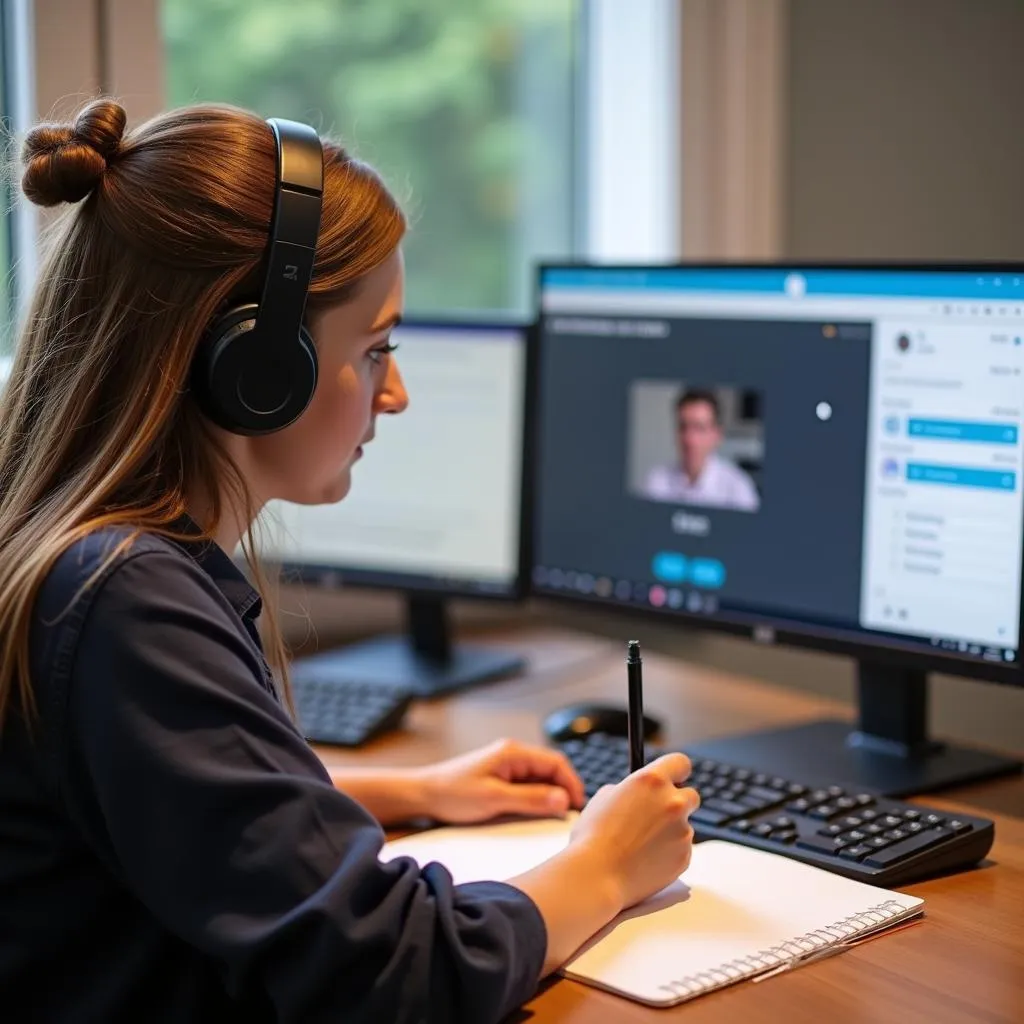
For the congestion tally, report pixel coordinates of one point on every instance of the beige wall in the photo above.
(906, 129)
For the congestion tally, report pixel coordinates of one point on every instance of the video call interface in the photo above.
(828, 451)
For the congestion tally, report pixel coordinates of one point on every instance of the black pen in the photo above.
(635, 722)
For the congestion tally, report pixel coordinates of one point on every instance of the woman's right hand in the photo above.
(637, 832)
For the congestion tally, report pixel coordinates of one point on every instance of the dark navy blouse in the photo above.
(172, 850)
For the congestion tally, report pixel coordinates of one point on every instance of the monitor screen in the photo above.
(820, 455)
(436, 501)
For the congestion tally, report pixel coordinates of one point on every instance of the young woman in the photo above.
(170, 847)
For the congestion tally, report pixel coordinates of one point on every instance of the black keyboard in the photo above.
(344, 712)
(855, 833)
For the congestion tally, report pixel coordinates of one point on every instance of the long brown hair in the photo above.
(97, 426)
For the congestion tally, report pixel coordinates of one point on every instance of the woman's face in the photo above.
(310, 462)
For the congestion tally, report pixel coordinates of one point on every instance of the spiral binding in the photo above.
(793, 949)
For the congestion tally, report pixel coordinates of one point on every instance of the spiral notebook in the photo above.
(735, 914)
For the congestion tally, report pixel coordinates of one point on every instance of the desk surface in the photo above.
(966, 962)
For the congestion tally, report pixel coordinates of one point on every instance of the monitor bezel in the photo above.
(767, 630)
(336, 576)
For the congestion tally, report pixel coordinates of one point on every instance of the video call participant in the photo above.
(701, 476)
(171, 849)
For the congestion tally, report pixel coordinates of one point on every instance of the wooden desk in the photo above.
(964, 963)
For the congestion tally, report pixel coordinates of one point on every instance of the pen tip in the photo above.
(633, 648)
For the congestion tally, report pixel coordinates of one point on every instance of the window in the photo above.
(466, 107)
(6, 202)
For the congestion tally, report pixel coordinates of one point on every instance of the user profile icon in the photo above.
(903, 343)
(890, 468)
(892, 424)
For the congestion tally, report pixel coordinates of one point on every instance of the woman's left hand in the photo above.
(506, 777)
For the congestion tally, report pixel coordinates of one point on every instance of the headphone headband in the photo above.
(294, 228)
(257, 371)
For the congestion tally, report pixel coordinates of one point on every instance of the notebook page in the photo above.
(478, 853)
(732, 903)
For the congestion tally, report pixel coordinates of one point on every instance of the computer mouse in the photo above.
(577, 720)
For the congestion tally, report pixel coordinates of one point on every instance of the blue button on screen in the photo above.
(707, 572)
(670, 567)
(961, 476)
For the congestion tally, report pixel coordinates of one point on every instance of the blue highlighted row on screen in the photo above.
(961, 476)
(673, 567)
(964, 430)
(940, 284)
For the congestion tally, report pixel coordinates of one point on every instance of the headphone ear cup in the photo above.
(213, 382)
(249, 383)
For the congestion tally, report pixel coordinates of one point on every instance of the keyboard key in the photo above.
(820, 844)
(874, 829)
(846, 803)
(752, 803)
(799, 806)
(785, 836)
(778, 782)
(867, 814)
(896, 834)
(760, 779)
(823, 811)
(851, 821)
(913, 827)
(835, 792)
(782, 822)
(957, 827)
(877, 842)
(864, 799)
(743, 825)
(741, 774)
(794, 789)
(763, 830)
(819, 796)
(769, 796)
(855, 852)
(932, 821)
(915, 844)
(707, 816)
(733, 810)
(891, 821)
(911, 814)
(831, 830)
(856, 836)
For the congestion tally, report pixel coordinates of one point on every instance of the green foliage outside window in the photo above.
(465, 106)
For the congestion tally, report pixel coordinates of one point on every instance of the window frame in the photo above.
(22, 227)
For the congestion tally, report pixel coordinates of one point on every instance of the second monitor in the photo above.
(435, 510)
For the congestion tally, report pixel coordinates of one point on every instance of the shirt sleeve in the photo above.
(191, 785)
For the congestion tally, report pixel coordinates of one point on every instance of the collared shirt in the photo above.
(171, 849)
(721, 484)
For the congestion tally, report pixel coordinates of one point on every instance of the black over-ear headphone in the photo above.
(256, 369)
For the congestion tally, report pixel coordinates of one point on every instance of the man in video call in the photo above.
(702, 476)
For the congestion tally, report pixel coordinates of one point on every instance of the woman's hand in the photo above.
(506, 777)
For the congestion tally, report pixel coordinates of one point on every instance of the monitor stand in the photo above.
(889, 751)
(425, 659)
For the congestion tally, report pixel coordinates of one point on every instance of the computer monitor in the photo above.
(826, 456)
(435, 509)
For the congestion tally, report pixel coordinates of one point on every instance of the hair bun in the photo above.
(65, 162)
